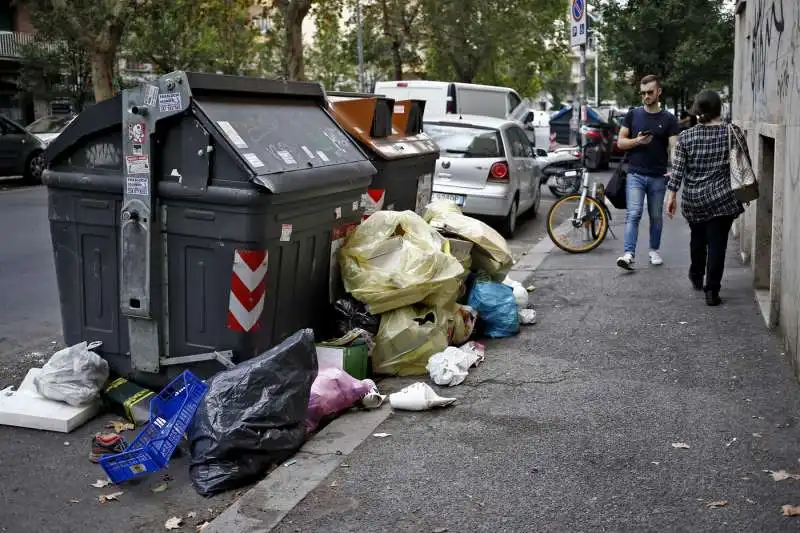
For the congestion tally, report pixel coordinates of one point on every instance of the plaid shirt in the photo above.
(701, 164)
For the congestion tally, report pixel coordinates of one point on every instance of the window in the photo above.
(456, 140)
(520, 145)
(513, 102)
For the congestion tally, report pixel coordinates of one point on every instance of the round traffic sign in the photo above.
(577, 9)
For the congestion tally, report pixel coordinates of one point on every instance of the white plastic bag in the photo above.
(451, 367)
(418, 397)
(527, 316)
(520, 293)
(74, 375)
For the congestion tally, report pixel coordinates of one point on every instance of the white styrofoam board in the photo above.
(26, 408)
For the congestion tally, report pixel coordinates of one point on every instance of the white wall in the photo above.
(766, 103)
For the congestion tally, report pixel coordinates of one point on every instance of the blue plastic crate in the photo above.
(171, 412)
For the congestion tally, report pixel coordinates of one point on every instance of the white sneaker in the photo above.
(655, 258)
(626, 261)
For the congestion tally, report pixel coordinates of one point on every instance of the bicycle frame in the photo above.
(581, 214)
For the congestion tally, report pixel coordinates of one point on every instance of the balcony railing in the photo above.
(11, 43)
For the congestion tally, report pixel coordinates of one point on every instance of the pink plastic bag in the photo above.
(333, 391)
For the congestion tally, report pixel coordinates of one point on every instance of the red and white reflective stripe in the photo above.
(248, 289)
(372, 201)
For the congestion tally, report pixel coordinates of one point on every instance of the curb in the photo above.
(265, 505)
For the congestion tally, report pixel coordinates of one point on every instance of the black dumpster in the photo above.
(198, 215)
(391, 134)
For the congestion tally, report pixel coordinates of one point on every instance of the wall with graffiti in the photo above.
(767, 105)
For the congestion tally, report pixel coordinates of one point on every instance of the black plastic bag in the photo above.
(252, 416)
(352, 314)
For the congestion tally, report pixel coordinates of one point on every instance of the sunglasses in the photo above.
(648, 93)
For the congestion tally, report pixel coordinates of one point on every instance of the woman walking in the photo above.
(701, 165)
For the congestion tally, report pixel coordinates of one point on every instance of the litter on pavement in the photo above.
(418, 397)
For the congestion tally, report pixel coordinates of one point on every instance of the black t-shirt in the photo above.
(651, 159)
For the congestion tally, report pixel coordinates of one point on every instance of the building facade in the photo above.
(766, 104)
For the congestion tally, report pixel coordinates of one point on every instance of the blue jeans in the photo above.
(638, 186)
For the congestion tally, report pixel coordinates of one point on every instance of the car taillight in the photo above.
(499, 172)
(402, 84)
(594, 134)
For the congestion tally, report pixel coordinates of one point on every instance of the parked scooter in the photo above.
(555, 168)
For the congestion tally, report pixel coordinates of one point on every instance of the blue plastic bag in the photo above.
(496, 307)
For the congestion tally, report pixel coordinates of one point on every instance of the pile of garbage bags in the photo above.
(428, 282)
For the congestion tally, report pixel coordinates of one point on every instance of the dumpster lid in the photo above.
(358, 116)
(288, 141)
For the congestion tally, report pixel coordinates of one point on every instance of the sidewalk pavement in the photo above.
(570, 426)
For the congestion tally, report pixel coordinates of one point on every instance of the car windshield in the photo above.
(51, 124)
(465, 141)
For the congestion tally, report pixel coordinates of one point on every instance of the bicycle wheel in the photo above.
(589, 231)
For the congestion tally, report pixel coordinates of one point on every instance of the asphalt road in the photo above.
(30, 319)
(54, 466)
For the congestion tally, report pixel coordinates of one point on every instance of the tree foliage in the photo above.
(687, 42)
(211, 36)
(328, 59)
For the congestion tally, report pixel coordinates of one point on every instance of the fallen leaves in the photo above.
(191, 514)
(781, 475)
(113, 497)
(161, 487)
(717, 504)
(101, 483)
(118, 426)
(791, 510)
(757, 435)
(730, 442)
(440, 530)
(680, 445)
(173, 523)
(381, 435)
(74, 500)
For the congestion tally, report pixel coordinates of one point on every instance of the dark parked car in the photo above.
(21, 152)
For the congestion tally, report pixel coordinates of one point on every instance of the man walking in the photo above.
(649, 134)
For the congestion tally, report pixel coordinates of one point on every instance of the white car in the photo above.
(487, 166)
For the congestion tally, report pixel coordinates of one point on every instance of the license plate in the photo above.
(455, 198)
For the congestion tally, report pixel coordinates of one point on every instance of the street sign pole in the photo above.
(578, 38)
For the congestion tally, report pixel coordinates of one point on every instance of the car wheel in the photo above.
(34, 168)
(510, 222)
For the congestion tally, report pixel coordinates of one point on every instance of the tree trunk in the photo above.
(294, 12)
(397, 60)
(102, 74)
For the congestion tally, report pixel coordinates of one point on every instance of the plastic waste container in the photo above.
(196, 220)
(390, 132)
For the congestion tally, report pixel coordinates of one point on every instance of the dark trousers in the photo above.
(709, 242)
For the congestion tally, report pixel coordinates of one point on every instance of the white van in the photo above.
(442, 98)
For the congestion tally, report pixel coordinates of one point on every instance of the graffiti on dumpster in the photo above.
(103, 155)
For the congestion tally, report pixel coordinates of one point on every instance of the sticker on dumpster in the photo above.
(424, 193)
(322, 156)
(337, 239)
(338, 212)
(232, 135)
(137, 131)
(169, 102)
(286, 232)
(399, 109)
(151, 95)
(372, 201)
(308, 152)
(355, 206)
(254, 161)
(248, 289)
(287, 157)
(138, 185)
(137, 164)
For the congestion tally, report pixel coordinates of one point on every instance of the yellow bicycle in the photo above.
(584, 217)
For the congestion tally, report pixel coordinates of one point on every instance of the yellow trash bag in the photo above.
(395, 259)
(407, 338)
(490, 253)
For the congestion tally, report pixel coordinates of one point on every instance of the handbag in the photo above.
(616, 189)
(743, 178)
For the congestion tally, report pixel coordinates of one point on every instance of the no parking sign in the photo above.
(577, 20)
